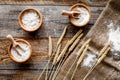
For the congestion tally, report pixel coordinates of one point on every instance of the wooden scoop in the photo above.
(15, 44)
(73, 14)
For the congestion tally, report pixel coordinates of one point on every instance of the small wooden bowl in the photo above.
(21, 23)
(12, 57)
(81, 5)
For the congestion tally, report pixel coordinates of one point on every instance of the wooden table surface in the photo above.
(53, 24)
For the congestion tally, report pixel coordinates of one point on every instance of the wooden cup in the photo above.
(21, 23)
(80, 5)
(14, 59)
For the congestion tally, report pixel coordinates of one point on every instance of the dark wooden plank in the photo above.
(38, 45)
(41, 2)
(102, 71)
(53, 22)
(39, 56)
(20, 75)
(54, 2)
(33, 74)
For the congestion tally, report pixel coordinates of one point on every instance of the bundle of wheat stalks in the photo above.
(60, 57)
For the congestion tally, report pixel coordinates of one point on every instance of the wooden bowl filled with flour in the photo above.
(79, 14)
(83, 17)
(20, 50)
(30, 19)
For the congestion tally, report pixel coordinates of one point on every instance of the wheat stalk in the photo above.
(82, 47)
(59, 58)
(75, 36)
(50, 47)
(61, 37)
(53, 67)
(56, 55)
(80, 60)
(75, 42)
(58, 43)
(98, 61)
(78, 54)
(67, 45)
(39, 77)
(49, 55)
(54, 61)
(62, 61)
(104, 48)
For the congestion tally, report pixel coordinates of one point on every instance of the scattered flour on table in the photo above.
(30, 20)
(24, 54)
(94, 78)
(83, 17)
(114, 36)
(89, 59)
(118, 63)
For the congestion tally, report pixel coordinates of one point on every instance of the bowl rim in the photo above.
(14, 59)
(83, 5)
(20, 17)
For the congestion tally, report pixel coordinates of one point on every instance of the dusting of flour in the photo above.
(118, 63)
(89, 60)
(114, 36)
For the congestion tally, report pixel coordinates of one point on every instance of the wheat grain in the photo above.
(104, 48)
(98, 61)
(68, 44)
(61, 37)
(80, 60)
(56, 55)
(78, 54)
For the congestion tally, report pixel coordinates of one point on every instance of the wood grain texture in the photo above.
(53, 25)
(53, 22)
(54, 2)
(39, 56)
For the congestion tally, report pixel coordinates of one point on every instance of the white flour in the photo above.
(24, 54)
(83, 17)
(89, 60)
(118, 63)
(30, 20)
(114, 36)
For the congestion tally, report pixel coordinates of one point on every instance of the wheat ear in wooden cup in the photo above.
(72, 8)
(13, 58)
(21, 23)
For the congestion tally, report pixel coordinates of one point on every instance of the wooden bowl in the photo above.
(21, 23)
(80, 5)
(13, 58)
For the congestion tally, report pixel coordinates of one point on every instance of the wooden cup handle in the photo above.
(12, 39)
(65, 12)
(73, 14)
